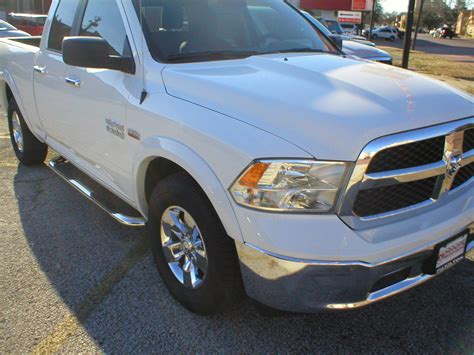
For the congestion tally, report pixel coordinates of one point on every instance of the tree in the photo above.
(437, 13)
(391, 18)
(379, 14)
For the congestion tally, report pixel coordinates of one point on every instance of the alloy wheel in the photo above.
(183, 247)
(17, 132)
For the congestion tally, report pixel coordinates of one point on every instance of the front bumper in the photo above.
(308, 286)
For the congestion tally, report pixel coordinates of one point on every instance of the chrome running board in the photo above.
(113, 205)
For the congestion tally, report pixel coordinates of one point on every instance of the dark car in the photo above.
(32, 24)
(401, 34)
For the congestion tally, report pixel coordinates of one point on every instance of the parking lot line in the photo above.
(72, 322)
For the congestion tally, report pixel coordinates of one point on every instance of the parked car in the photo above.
(365, 32)
(387, 33)
(32, 24)
(334, 27)
(7, 30)
(353, 48)
(349, 28)
(401, 34)
(447, 32)
(262, 160)
(366, 52)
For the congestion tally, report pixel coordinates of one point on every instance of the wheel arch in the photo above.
(162, 156)
(8, 91)
(6, 94)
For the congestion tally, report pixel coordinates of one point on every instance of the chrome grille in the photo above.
(395, 197)
(469, 140)
(408, 155)
(463, 176)
(408, 173)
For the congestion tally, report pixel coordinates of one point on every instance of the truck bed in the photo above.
(30, 41)
(17, 59)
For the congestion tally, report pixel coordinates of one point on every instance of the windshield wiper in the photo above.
(193, 56)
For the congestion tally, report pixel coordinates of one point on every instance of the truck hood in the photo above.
(328, 105)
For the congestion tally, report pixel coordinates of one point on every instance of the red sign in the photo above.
(349, 20)
(360, 5)
(325, 4)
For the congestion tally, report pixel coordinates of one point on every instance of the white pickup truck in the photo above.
(259, 157)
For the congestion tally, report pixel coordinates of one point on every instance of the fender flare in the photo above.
(7, 78)
(193, 164)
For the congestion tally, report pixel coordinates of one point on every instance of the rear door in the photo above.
(49, 76)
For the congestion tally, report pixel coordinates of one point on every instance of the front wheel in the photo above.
(196, 259)
(28, 149)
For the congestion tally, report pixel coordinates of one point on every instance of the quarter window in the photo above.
(62, 23)
(102, 18)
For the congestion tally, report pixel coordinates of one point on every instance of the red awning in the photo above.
(326, 4)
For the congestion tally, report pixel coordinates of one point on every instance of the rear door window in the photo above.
(62, 24)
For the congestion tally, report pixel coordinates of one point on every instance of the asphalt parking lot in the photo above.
(73, 280)
(456, 49)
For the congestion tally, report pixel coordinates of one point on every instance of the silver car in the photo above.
(7, 30)
(351, 47)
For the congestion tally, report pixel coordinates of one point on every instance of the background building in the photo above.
(326, 8)
(465, 23)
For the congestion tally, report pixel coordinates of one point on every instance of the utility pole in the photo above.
(372, 19)
(407, 41)
(418, 22)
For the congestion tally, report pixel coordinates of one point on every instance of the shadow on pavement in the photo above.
(78, 247)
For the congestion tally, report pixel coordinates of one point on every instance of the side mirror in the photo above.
(337, 40)
(93, 52)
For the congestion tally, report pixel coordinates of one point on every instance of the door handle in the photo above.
(39, 69)
(73, 82)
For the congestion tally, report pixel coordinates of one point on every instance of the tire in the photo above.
(219, 284)
(28, 149)
(392, 38)
(375, 37)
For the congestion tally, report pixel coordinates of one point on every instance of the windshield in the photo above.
(333, 26)
(4, 26)
(200, 30)
(316, 23)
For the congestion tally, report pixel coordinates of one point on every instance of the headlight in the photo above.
(294, 186)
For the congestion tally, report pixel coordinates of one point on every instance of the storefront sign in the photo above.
(349, 17)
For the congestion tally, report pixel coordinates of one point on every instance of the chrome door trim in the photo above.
(39, 69)
(73, 82)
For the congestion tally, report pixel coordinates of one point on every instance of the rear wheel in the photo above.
(392, 38)
(196, 259)
(375, 37)
(28, 149)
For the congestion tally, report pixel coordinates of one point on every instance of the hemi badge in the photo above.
(134, 134)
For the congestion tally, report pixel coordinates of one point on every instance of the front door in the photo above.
(99, 97)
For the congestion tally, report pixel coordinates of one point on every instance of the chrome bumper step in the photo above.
(107, 201)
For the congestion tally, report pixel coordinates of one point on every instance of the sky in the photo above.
(394, 5)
